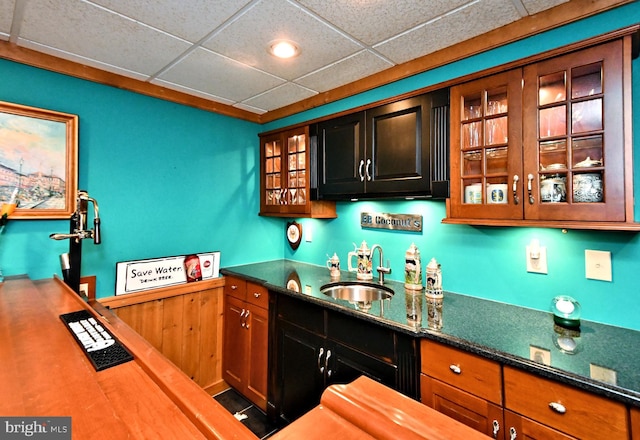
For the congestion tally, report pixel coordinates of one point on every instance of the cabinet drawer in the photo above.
(257, 295)
(236, 287)
(585, 415)
(463, 370)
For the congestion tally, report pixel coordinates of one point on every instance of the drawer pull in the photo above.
(234, 287)
(320, 367)
(455, 369)
(256, 294)
(513, 433)
(496, 428)
(558, 407)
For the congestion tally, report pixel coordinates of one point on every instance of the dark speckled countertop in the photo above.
(498, 331)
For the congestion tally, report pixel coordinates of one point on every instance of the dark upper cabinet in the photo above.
(397, 149)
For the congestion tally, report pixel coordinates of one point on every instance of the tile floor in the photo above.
(251, 416)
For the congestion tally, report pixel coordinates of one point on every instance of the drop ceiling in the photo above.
(218, 49)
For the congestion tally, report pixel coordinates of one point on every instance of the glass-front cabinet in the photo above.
(285, 177)
(545, 143)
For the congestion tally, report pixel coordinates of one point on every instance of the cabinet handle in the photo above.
(367, 170)
(242, 321)
(558, 407)
(512, 433)
(360, 170)
(256, 294)
(326, 363)
(455, 369)
(516, 199)
(496, 428)
(529, 180)
(246, 318)
(320, 367)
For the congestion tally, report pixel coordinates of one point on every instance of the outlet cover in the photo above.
(540, 355)
(597, 265)
(603, 374)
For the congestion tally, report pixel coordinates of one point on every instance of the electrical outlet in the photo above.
(308, 233)
(597, 265)
(540, 355)
(603, 374)
(88, 286)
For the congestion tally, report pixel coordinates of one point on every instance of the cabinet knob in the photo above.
(558, 407)
(234, 287)
(256, 294)
(455, 369)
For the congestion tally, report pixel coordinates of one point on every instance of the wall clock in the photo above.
(294, 234)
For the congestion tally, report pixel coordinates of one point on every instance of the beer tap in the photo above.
(71, 262)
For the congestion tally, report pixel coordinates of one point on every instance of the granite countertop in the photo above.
(509, 334)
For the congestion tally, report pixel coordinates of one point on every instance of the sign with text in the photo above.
(401, 222)
(135, 276)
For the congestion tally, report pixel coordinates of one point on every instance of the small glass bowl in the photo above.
(566, 311)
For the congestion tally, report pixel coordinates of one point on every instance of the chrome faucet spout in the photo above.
(381, 267)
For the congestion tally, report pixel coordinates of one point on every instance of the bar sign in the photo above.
(400, 222)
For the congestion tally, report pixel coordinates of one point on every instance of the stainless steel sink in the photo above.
(357, 291)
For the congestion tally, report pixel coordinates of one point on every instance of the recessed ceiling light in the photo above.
(284, 49)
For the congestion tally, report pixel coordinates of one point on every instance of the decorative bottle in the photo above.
(434, 295)
(412, 269)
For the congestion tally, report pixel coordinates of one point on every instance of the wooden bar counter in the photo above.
(44, 372)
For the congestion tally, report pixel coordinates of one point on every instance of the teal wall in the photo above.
(169, 180)
(172, 180)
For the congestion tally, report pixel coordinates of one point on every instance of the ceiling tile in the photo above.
(88, 31)
(535, 6)
(383, 20)
(471, 21)
(188, 19)
(348, 70)
(219, 76)
(286, 94)
(247, 39)
(6, 16)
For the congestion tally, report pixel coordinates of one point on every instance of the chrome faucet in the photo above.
(381, 268)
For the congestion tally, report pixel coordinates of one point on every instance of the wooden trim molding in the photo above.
(162, 293)
(531, 25)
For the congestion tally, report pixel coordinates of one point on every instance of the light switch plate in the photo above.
(597, 265)
(537, 265)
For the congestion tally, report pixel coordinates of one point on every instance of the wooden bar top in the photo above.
(44, 372)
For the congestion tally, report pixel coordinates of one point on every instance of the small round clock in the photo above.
(294, 234)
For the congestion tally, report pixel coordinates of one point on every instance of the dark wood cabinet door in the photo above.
(300, 371)
(341, 157)
(257, 328)
(398, 147)
(235, 342)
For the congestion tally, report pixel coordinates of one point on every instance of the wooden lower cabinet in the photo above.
(522, 428)
(246, 338)
(634, 414)
(182, 322)
(564, 408)
(466, 387)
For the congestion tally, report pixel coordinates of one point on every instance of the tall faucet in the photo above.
(71, 262)
(381, 268)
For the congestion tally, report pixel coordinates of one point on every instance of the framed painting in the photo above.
(38, 161)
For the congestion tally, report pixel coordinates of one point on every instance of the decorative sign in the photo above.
(400, 222)
(135, 276)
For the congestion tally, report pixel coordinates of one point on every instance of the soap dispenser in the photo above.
(412, 268)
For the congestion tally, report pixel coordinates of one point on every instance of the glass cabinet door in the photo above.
(486, 150)
(573, 144)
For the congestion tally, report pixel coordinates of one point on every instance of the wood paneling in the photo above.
(184, 323)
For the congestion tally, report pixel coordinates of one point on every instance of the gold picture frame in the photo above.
(38, 161)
